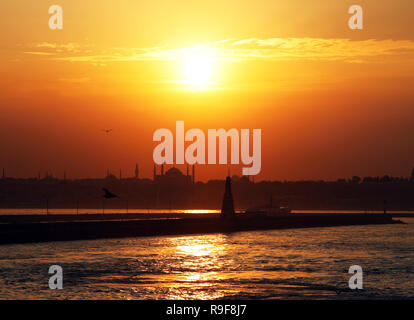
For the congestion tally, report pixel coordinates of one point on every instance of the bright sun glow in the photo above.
(198, 70)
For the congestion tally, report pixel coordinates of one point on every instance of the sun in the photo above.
(198, 70)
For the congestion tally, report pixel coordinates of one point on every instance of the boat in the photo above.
(269, 210)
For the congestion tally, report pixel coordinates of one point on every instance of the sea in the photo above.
(309, 263)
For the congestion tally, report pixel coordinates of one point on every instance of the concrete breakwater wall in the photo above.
(99, 229)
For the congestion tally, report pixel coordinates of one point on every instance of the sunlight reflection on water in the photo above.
(290, 264)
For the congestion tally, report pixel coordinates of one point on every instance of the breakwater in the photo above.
(60, 229)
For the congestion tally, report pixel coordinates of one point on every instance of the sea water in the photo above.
(277, 264)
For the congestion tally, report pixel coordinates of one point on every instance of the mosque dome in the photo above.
(173, 172)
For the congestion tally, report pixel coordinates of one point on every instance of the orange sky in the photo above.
(331, 102)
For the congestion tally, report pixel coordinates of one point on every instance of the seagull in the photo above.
(107, 130)
(108, 194)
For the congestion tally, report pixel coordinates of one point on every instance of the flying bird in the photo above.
(107, 130)
(108, 194)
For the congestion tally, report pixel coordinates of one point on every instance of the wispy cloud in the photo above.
(72, 47)
(320, 49)
(38, 53)
(273, 49)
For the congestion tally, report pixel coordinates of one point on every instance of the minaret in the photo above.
(120, 174)
(136, 171)
(193, 174)
(162, 169)
(227, 209)
(154, 175)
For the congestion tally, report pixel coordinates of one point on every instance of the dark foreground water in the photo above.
(287, 264)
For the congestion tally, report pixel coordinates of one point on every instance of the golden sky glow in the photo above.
(331, 102)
